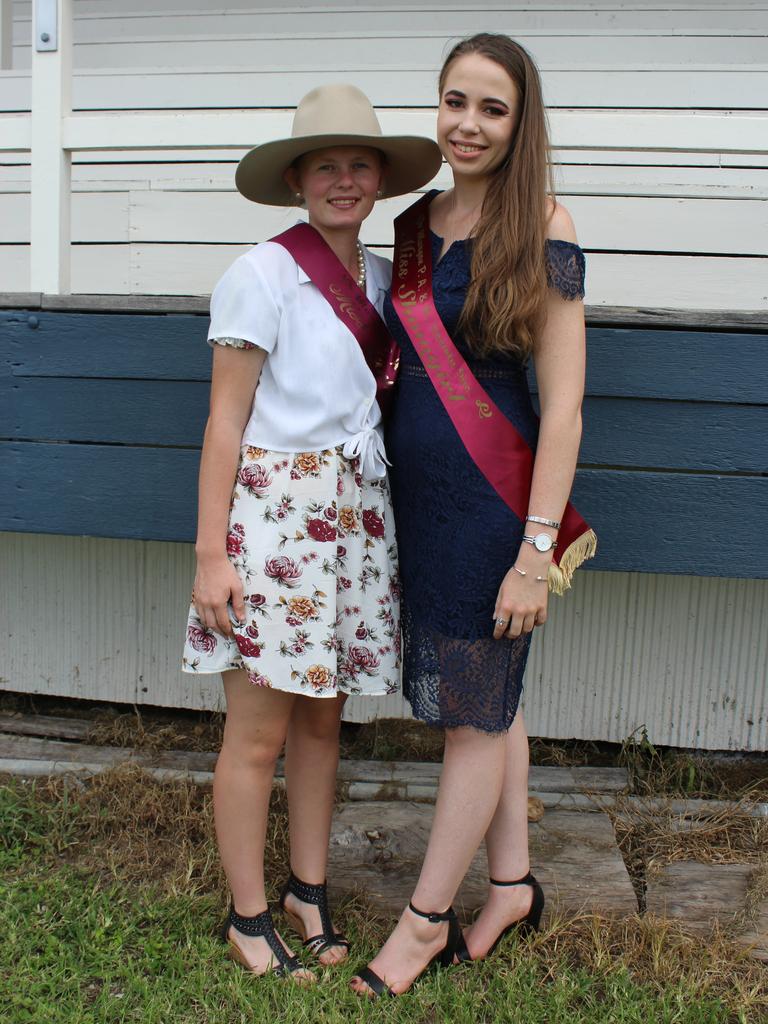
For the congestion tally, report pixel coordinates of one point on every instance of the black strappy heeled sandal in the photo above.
(525, 925)
(316, 896)
(443, 958)
(261, 926)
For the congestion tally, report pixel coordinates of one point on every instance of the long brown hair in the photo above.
(506, 297)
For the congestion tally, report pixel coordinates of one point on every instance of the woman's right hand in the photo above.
(217, 585)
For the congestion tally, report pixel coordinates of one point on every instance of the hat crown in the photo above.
(339, 109)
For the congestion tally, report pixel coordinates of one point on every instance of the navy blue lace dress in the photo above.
(456, 537)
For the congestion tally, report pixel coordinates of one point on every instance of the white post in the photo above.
(6, 35)
(51, 178)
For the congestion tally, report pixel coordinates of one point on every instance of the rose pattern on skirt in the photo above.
(255, 479)
(333, 551)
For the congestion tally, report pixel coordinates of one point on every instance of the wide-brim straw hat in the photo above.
(335, 115)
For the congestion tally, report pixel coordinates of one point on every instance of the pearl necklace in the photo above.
(360, 267)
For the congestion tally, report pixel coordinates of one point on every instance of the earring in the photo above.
(379, 194)
(298, 196)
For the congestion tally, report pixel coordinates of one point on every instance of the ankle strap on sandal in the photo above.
(257, 926)
(433, 918)
(525, 880)
(307, 892)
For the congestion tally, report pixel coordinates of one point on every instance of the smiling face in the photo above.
(339, 184)
(478, 114)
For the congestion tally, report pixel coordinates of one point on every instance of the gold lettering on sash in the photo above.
(346, 303)
(483, 409)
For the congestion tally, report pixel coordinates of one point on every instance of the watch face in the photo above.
(542, 541)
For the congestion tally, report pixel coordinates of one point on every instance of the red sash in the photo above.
(500, 453)
(349, 303)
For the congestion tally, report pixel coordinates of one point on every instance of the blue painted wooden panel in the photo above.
(690, 523)
(649, 522)
(155, 412)
(99, 490)
(669, 415)
(154, 347)
(617, 432)
(689, 365)
(675, 435)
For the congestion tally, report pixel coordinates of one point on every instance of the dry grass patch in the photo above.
(659, 952)
(127, 825)
(157, 732)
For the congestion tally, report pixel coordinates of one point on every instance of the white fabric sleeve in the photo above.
(243, 306)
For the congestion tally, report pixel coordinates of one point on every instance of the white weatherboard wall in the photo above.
(659, 117)
(684, 656)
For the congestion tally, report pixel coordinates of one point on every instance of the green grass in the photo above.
(88, 939)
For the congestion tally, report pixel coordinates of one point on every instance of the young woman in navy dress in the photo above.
(507, 285)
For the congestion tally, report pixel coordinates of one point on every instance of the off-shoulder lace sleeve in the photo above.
(565, 268)
(234, 342)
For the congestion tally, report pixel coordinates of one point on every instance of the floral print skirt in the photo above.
(314, 545)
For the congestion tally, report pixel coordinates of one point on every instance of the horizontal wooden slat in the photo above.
(622, 363)
(675, 523)
(693, 365)
(679, 158)
(145, 412)
(613, 279)
(406, 49)
(150, 493)
(108, 347)
(692, 86)
(455, 19)
(571, 129)
(99, 490)
(96, 268)
(674, 435)
(617, 432)
(669, 282)
(652, 224)
(604, 222)
(643, 317)
(96, 217)
(596, 173)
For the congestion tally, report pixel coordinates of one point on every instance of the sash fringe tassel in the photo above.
(559, 576)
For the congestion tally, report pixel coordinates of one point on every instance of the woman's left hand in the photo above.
(521, 603)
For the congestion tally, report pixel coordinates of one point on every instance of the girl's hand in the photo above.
(521, 602)
(216, 586)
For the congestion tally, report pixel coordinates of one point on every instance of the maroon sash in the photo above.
(349, 303)
(498, 450)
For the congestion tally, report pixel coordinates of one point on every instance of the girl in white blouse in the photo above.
(296, 598)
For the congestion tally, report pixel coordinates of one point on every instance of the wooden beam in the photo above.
(615, 316)
(51, 163)
(6, 35)
(16, 130)
(572, 129)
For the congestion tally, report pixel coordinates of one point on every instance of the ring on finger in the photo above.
(501, 622)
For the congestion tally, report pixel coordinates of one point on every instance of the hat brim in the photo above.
(412, 161)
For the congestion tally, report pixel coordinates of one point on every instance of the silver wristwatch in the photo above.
(542, 541)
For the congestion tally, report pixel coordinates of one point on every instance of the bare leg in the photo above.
(255, 728)
(470, 788)
(311, 763)
(507, 846)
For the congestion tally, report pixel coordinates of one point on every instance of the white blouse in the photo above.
(315, 390)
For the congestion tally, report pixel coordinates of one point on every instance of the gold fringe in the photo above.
(559, 576)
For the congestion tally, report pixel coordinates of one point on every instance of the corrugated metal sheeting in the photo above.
(684, 656)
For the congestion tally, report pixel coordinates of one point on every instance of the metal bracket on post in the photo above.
(46, 25)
